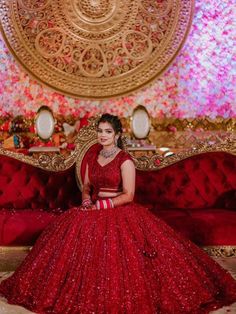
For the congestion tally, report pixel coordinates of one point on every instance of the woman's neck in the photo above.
(108, 147)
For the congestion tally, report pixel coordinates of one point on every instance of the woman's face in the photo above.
(106, 134)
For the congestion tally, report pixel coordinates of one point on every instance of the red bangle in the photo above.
(104, 204)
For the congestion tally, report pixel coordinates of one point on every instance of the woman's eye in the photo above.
(104, 131)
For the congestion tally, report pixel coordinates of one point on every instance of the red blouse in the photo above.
(108, 177)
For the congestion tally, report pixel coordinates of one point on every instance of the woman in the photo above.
(113, 256)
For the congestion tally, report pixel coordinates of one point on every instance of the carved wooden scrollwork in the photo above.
(157, 161)
(221, 251)
(95, 48)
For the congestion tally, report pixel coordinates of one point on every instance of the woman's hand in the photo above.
(88, 208)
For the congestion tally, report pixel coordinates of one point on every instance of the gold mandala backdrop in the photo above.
(95, 48)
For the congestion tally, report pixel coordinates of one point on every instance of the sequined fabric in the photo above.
(123, 260)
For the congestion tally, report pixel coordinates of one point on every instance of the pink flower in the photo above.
(172, 128)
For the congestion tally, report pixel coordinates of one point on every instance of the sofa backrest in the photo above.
(202, 181)
(23, 186)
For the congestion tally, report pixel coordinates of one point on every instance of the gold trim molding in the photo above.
(158, 161)
(212, 250)
(221, 250)
(95, 49)
(44, 161)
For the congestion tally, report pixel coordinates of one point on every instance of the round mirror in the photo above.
(44, 123)
(140, 122)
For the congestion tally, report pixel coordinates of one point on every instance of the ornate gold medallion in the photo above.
(95, 48)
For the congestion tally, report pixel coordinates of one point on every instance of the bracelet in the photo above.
(104, 204)
(86, 202)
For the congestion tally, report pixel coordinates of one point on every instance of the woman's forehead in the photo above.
(105, 125)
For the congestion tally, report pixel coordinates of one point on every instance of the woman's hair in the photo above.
(116, 125)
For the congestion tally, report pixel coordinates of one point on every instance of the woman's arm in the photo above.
(128, 183)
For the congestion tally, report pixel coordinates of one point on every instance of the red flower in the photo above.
(5, 126)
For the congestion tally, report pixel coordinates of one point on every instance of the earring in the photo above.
(116, 141)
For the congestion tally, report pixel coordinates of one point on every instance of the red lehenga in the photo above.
(117, 261)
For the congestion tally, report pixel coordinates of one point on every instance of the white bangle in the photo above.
(104, 204)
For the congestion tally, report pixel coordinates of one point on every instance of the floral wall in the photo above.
(200, 82)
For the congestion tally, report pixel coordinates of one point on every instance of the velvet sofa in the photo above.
(30, 198)
(194, 193)
(196, 196)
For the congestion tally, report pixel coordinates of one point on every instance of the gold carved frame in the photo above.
(96, 49)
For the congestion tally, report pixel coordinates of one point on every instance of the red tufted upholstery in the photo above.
(33, 197)
(22, 227)
(196, 182)
(24, 186)
(196, 196)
